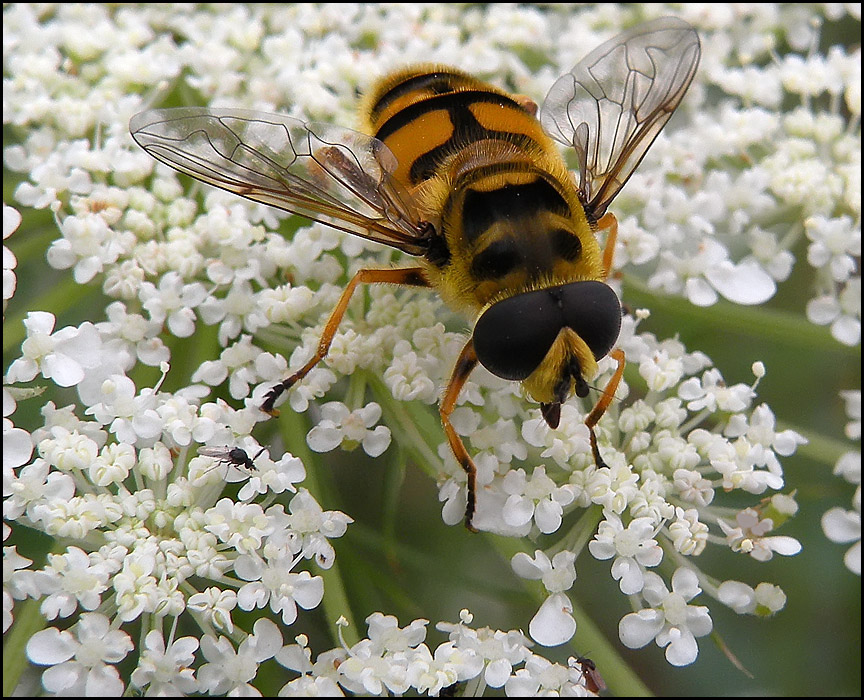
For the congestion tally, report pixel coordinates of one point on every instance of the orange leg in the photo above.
(464, 366)
(605, 399)
(410, 276)
(610, 223)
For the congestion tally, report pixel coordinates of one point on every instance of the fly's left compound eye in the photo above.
(592, 310)
(513, 336)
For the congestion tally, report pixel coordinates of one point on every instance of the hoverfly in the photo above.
(466, 178)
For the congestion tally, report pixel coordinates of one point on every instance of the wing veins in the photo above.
(612, 105)
(234, 150)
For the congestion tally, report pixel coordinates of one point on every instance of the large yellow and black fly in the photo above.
(468, 179)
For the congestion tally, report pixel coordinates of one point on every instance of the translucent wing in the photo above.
(615, 101)
(326, 173)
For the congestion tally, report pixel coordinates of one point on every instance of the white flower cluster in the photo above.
(390, 660)
(724, 203)
(150, 534)
(394, 660)
(840, 525)
(670, 455)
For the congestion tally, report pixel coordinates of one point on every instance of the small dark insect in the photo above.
(235, 456)
(593, 680)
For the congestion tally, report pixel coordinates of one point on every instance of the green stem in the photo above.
(293, 429)
(28, 621)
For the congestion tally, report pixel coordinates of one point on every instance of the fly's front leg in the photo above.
(464, 366)
(411, 276)
(603, 403)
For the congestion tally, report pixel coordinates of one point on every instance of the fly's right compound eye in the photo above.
(512, 336)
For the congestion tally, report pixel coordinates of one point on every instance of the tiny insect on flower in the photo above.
(591, 676)
(235, 456)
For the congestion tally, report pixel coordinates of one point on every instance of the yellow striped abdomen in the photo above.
(490, 181)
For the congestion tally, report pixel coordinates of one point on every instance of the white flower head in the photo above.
(70, 580)
(166, 670)
(542, 678)
(216, 605)
(341, 426)
(500, 650)
(229, 670)
(273, 583)
(670, 621)
(633, 547)
(63, 356)
(537, 497)
(81, 660)
(553, 624)
(750, 536)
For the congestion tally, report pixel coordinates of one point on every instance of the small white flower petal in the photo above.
(738, 596)
(377, 441)
(635, 630)
(852, 558)
(787, 546)
(547, 515)
(841, 526)
(682, 649)
(50, 646)
(517, 511)
(553, 624)
(324, 437)
(497, 673)
(526, 567)
(746, 283)
(628, 574)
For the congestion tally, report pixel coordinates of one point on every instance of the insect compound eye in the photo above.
(592, 310)
(512, 336)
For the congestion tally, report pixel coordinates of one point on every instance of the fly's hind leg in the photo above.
(411, 276)
(603, 403)
(464, 366)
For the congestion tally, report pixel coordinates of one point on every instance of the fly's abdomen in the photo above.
(427, 115)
